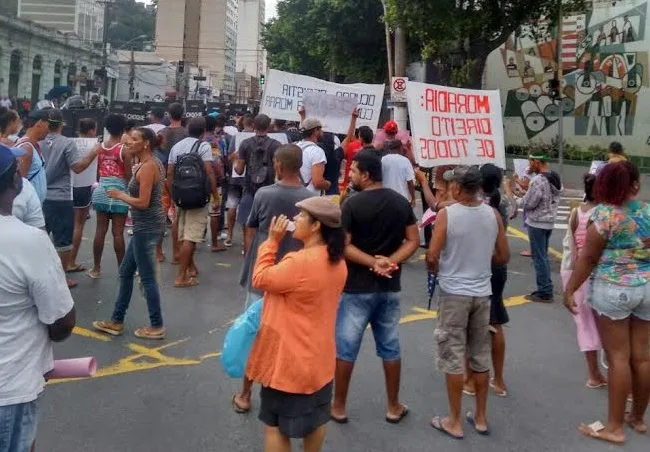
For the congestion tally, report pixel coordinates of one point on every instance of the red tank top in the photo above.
(109, 161)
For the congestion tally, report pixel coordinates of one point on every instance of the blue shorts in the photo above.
(245, 207)
(18, 426)
(356, 311)
(59, 221)
(620, 302)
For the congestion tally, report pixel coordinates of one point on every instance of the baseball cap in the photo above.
(310, 124)
(8, 156)
(466, 176)
(51, 115)
(538, 157)
(391, 127)
(323, 209)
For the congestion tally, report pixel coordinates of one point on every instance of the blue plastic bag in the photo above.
(239, 340)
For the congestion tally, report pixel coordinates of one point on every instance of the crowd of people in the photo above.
(327, 223)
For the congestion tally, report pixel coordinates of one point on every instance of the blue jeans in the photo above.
(18, 426)
(141, 256)
(539, 239)
(356, 311)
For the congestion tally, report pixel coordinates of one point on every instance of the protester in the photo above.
(616, 153)
(391, 131)
(492, 177)
(272, 201)
(255, 162)
(615, 254)
(145, 198)
(281, 126)
(381, 235)
(156, 116)
(217, 166)
(302, 290)
(9, 125)
(36, 309)
(63, 158)
(398, 172)
(235, 186)
(32, 164)
(353, 143)
(114, 169)
(467, 228)
(82, 187)
(191, 223)
(540, 207)
(585, 319)
(313, 156)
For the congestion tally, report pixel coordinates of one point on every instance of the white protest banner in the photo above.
(284, 91)
(521, 166)
(454, 126)
(334, 112)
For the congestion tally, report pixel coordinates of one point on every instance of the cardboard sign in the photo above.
(284, 92)
(334, 112)
(454, 126)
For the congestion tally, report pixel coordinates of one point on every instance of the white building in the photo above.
(85, 18)
(251, 56)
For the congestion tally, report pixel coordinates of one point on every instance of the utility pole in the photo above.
(560, 121)
(389, 45)
(105, 38)
(132, 75)
(400, 111)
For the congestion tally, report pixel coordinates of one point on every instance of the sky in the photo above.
(270, 7)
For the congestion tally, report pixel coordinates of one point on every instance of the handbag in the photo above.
(239, 340)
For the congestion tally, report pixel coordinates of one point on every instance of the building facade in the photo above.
(85, 18)
(203, 33)
(251, 56)
(34, 59)
(602, 56)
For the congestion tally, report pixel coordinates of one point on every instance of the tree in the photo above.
(460, 34)
(340, 40)
(128, 20)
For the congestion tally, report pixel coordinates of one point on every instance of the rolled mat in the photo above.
(73, 368)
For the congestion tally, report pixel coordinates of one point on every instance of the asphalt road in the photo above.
(174, 396)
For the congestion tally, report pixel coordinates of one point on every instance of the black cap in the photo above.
(51, 115)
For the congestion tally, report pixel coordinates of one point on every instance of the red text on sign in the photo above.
(450, 102)
(432, 149)
(460, 126)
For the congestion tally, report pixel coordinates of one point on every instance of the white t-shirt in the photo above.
(27, 206)
(88, 176)
(156, 127)
(397, 171)
(312, 154)
(185, 146)
(33, 294)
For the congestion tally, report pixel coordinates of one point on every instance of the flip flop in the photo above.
(469, 417)
(218, 249)
(71, 283)
(593, 431)
(93, 275)
(339, 420)
(436, 423)
(398, 419)
(598, 386)
(238, 409)
(497, 393)
(469, 393)
(76, 269)
(641, 428)
(191, 283)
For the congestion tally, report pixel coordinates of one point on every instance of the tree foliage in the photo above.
(127, 21)
(330, 39)
(449, 31)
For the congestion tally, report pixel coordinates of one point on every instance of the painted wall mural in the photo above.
(603, 72)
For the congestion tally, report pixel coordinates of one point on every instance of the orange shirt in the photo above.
(295, 348)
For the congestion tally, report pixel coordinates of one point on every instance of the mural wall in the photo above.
(603, 59)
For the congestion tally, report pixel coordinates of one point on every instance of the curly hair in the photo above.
(615, 182)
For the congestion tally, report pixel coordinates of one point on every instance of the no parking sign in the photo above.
(398, 89)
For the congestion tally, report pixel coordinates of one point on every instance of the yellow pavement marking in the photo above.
(523, 236)
(210, 355)
(91, 334)
(221, 264)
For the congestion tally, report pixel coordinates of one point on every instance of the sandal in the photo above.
(150, 333)
(189, 283)
(93, 274)
(469, 417)
(436, 423)
(597, 431)
(396, 420)
(112, 328)
(77, 268)
(227, 243)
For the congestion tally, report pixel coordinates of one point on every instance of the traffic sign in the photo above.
(398, 89)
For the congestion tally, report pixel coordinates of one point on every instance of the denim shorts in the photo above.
(18, 426)
(620, 302)
(356, 311)
(59, 221)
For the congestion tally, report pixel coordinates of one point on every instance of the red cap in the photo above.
(390, 127)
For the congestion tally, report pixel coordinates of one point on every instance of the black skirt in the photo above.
(498, 312)
(296, 415)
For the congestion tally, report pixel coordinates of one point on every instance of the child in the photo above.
(574, 241)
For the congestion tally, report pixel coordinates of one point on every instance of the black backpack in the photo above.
(259, 167)
(191, 186)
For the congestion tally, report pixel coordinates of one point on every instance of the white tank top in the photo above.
(466, 259)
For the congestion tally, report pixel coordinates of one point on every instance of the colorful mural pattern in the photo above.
(602, 74)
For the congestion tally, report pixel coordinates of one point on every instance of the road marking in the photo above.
(222, 264)
(91, 334)
(523, 236)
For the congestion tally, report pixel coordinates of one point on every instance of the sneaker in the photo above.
(223, 236)
(539, 298)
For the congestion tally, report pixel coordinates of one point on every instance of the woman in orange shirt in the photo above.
(294, 354)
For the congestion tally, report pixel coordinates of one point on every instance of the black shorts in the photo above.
(498, 312)
(59, 221)
(296, 415)
(82, 196)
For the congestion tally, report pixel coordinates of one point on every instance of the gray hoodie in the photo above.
(541, 200)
